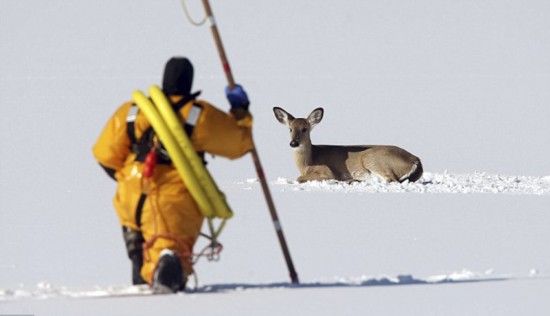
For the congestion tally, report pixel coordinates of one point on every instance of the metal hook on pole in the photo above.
(255, 157)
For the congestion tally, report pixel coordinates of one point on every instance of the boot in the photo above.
(134, 241)
(137, 263)
(169, 276)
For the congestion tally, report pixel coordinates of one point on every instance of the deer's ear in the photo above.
(282, 116)
(315, 116)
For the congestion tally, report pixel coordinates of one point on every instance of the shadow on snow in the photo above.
(401, 280)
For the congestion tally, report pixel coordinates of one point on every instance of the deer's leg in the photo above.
(390, 178)
(385, 174)
(381, 169)
(316, 173)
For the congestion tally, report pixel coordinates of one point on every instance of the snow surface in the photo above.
(461, 84)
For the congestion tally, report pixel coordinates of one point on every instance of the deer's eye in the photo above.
(291, 130)
(304, 130)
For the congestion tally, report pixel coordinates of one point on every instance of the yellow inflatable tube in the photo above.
(176, 154)
(216, 197)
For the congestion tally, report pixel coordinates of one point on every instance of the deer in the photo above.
(345, 163)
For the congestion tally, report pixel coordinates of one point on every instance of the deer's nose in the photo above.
(294, 144)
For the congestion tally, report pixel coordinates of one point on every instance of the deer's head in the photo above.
(299, 127)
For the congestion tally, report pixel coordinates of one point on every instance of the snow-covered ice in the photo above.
(432, 183)
(462, 85)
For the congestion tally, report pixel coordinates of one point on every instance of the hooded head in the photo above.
(178, 76)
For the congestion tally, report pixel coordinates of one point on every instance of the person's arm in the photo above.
(225, 134)
(113, 144)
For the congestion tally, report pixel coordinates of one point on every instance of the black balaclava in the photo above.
(178, 76)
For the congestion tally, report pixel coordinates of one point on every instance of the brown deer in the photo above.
(345, 163)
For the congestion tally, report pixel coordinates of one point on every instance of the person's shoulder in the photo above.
(202, 102)
(126, 105)
(205, 104)
(123, 109)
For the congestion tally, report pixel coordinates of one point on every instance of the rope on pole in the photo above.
(188, 15)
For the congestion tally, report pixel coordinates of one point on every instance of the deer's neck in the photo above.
(302, 156)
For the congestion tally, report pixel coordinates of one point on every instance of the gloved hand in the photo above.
(237, 98)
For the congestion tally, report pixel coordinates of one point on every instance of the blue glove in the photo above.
(237, 97)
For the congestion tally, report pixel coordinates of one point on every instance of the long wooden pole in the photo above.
(255, 157)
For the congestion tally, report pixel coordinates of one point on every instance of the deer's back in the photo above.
(345, 161)
(325, 152)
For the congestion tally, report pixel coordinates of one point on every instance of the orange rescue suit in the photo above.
(169, 214)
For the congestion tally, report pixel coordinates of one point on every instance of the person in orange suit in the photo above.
(160, 219)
